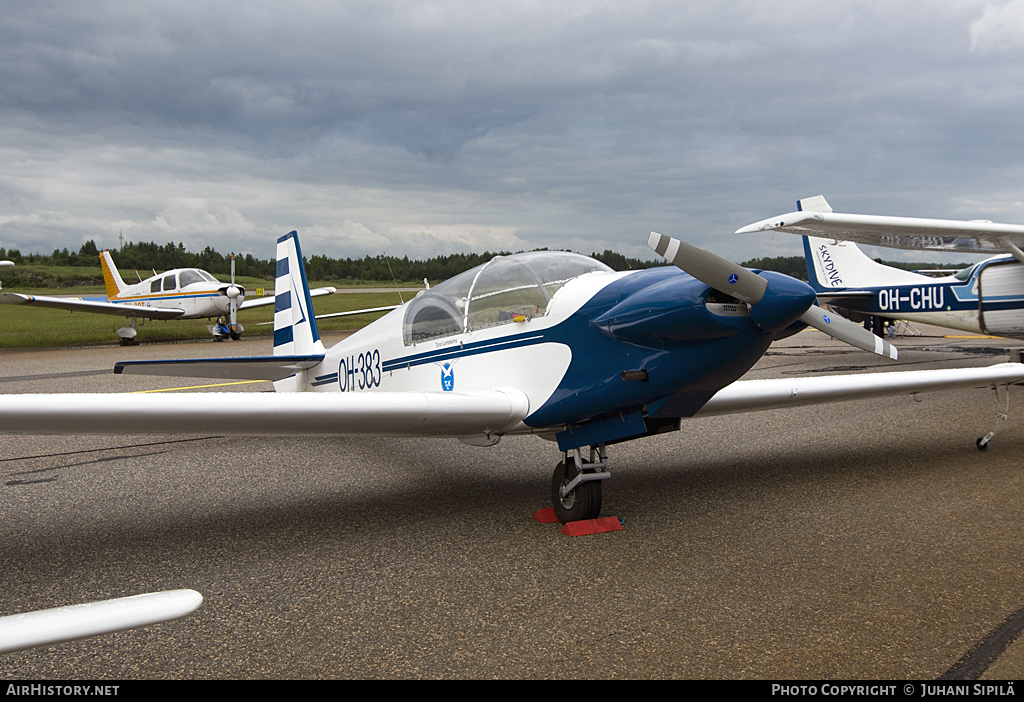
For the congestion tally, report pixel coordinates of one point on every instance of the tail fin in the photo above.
(837, 265)
(295, 331)
(111, 278)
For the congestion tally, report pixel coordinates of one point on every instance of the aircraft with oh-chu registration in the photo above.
(986, 298)
(547, 343)
(183, 293)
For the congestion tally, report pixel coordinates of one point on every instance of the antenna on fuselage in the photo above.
(384, 254)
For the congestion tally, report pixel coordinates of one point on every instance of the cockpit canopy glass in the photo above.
(965, 274)
(503, 290)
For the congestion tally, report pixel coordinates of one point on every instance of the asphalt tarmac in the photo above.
(864, 540)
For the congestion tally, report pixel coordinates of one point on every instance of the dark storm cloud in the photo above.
(423, 126)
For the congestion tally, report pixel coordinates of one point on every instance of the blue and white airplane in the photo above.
(987, 298)
(547, 343)
(182, 293)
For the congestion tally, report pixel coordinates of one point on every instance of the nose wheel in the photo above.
(576, 485)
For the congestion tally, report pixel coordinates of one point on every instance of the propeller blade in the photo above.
(732, 279)
(724, 276)
(838, 327)
(233, 299)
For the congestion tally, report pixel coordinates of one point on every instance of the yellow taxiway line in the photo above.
(197, 387)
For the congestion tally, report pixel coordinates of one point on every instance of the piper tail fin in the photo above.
(295, 331)
(111, 278)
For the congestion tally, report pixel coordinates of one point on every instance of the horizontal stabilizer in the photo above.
(753, 395)
(254, 368)
(268, 414)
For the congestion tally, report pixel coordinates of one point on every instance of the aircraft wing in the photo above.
(50, 626)
(269, 300)
(979, 237)
(268, 414)
(436, 414)
(388, 308)
(754, 395)
(77, 304)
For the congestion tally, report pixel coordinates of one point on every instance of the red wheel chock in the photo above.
(582, 527)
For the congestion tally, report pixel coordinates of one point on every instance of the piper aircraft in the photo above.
(548, 343)
(987, 298)
(182, 293)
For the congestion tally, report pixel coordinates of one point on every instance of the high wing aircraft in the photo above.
(182, 293)
(547, 343)
(985, 298)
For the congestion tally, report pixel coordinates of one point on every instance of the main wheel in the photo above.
(582, 503)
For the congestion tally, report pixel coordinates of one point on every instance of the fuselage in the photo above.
(197, 293)
(986, 298)
(583, 343)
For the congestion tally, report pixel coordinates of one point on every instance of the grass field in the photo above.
(25, 326)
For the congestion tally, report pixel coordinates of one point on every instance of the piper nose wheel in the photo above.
(584, 502)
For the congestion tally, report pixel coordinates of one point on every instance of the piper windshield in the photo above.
(503, 290)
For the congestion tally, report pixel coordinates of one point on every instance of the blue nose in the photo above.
(784, 301)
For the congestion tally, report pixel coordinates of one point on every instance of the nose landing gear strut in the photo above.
(576, 484)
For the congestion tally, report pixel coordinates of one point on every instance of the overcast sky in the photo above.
(421, 128)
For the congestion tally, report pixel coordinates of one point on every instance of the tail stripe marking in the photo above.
(283, 336)
(283, 301)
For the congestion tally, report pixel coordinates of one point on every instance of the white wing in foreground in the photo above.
(898, 232)
(50, 626)
(77, 304)
(268, 414)
(438, 414)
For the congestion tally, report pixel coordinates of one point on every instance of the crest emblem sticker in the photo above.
(447, 375)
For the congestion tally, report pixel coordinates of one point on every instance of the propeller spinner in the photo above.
(786, 299)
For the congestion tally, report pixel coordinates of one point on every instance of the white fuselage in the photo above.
(201, 296)
(507, 355)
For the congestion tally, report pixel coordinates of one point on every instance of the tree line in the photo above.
(144, 256)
